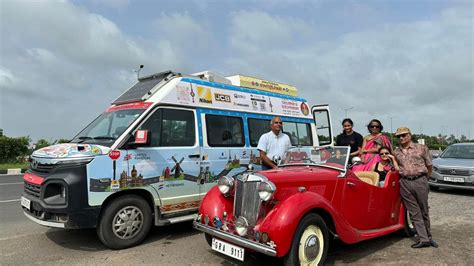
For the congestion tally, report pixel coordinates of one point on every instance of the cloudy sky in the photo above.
(404, 62)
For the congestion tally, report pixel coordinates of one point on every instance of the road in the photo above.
(24, 242)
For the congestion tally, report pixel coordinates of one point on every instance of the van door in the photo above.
(322, 120)
(223, 151)
(171, 158)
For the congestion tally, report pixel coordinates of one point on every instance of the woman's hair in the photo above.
(377, 121)
(348, 120)
(384, 148)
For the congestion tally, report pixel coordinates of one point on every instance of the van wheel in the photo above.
(408, 229)
(310, 242)
(208, 239)
(125, 222)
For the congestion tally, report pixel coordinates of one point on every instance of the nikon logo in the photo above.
(222, 97)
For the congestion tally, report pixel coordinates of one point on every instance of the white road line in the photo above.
(6, 184)
(10, 200)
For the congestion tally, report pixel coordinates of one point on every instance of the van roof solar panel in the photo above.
(144, 88)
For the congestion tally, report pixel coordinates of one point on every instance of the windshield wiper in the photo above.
(104, 137)
(83, 138)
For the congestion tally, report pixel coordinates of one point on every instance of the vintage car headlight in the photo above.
(241, 226)
(225, 185)
(266, 189)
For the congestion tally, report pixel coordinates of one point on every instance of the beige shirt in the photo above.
(413, 160)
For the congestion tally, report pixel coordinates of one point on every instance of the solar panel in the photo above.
(144, 88)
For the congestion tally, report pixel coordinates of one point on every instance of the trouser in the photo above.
(265, 167)
(414, 194)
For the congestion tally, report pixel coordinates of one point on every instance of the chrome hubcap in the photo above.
(127, 222)
(311, 248)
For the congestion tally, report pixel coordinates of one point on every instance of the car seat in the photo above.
(368, 177)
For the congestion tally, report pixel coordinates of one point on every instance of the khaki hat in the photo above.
(402, 130)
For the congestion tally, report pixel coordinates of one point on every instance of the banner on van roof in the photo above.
(263, 85)
(233, 100)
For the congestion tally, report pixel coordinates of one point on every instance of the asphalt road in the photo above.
(24, 242)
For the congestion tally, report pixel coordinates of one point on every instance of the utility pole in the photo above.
(391, 128)
(345, 111)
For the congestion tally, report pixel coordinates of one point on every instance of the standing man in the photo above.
(415, 168)
(273, 143)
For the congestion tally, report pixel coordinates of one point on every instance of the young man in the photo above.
(273, 143)
(415, 168)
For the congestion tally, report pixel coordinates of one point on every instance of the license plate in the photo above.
(454, 179)
(228, 249)
(25, 202)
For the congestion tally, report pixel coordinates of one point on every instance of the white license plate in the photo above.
(454, 179)
(228, 249)
(25, 202)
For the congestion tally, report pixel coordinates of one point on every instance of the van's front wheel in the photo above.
(125, 222)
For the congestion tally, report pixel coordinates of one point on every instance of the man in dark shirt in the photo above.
(350, 138)
(415, 167)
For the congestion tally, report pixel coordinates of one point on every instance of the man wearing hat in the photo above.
(415, 168)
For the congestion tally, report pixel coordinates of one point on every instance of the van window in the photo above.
(224, 131)
(257, 127)
(299, 133)
(170, 127)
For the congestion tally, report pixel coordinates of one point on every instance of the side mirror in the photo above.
(356, 160)
(276, 159)
(435, 155)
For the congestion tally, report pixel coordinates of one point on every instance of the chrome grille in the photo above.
(246, 200)
(42, 168)
(453, 171)
(32, 189)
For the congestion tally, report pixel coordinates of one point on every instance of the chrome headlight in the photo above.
(435, 168)
(225, 185)
(266, 189)
(241, 226)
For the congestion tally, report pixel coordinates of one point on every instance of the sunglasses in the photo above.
(281, 123)
(374, 126)
(384, 153)
(402, 135)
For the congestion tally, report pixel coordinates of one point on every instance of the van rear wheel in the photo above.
(125, 222)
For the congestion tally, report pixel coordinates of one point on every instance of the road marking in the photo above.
(6, 184)
(11, 200)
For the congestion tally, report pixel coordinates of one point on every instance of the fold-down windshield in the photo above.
(331, 157)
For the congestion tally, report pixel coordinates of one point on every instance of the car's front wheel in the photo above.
(310, 242)
(408, 229)
(125, 222)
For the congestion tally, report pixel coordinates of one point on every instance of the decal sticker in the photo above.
(139, 105)
(221, 97)
(71, 150)
(204, 95)
(304, 109)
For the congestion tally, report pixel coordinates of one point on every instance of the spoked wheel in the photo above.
(310, 243)
(125, 222)
(408, 229)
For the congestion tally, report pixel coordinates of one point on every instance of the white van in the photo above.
(155, 152)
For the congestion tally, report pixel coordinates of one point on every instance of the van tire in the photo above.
(125, 222)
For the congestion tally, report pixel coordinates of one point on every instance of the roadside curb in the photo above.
(13, 171)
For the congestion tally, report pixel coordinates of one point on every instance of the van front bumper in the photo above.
(234, 239)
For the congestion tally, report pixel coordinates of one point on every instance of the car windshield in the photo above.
(459, 152)
(330, 157)
(106, 128)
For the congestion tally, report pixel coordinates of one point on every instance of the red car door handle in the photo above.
(350, 183)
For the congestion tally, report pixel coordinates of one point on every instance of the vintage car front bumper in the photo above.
(234, 239)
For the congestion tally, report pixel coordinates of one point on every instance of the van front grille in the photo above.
(32, 189)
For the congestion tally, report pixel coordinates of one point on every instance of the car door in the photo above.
(357, 202)
(386, 202)
(171, 158)
(322, 120)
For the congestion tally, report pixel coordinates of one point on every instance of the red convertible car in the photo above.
(293, 211)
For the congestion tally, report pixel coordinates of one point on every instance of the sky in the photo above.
(406, 63)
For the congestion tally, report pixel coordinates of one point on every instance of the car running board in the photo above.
(173, 220)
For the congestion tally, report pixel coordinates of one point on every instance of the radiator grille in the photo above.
(452, 171)
(32, 189)
(246, 201)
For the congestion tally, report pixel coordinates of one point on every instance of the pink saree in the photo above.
(370, 159)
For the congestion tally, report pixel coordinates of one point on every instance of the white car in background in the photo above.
(454, 168)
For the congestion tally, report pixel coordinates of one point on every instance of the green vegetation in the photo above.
(6, 166)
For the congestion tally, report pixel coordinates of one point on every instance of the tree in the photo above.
(41, 143)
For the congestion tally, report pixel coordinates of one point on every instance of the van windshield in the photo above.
(106, 128)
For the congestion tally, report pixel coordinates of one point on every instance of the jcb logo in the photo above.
(222, 97)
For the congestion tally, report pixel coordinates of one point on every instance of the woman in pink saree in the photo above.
(371, 145)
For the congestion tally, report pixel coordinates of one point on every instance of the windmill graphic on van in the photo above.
(177, 167)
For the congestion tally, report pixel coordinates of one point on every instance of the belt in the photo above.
(413, 177)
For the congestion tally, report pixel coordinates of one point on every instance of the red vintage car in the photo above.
(292, 212)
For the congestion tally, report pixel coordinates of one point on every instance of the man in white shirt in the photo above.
(273, 143)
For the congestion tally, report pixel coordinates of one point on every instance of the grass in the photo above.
(5, 166)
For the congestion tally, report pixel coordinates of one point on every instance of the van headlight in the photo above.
(266, 189)
(225, 185)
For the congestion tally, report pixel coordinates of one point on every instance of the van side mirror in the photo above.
(435, 155)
